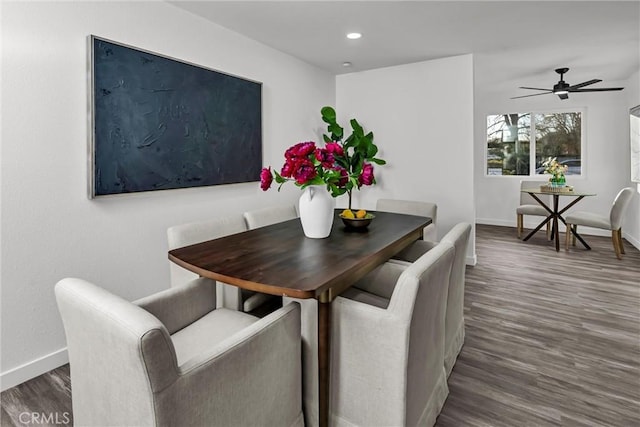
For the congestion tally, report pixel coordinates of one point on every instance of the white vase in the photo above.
(316, 212)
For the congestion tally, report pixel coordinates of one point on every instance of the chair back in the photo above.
(526, 199)
(118, 353)
(411, 207)
(619, 206)
(197, 232)
(458, 236)
(269, 215)
(420, 297)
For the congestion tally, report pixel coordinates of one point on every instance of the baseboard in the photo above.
(635, 242)
(15, 376)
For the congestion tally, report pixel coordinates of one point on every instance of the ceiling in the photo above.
(517, 43)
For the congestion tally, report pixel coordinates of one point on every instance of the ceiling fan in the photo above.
(562, 88)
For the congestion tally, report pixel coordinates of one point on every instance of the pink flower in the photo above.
(325, 157)
(366, 177)
(301, 149)
(344, 176)
(288, 168)
(265, 178)
(304, 171)
(334, 148)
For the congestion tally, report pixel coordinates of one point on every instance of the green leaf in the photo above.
(378, 161)
(357, 129)
(372, 150)
(326, 138)
(328, 114)
(336, 131)
(279, 178)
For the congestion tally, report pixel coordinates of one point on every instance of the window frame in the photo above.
(532, 142)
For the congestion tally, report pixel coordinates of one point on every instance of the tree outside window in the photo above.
(517, 145)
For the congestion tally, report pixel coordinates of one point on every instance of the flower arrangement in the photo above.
(556, 170)
(306, 164)
(341, 165)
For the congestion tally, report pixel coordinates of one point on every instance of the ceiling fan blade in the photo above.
(535, 88)
(600, 89)
(535, 94)
(583, 84)
(563, 95)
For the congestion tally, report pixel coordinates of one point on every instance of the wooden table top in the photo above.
(280, 260)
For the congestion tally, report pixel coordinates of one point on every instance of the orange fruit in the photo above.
(361, 213)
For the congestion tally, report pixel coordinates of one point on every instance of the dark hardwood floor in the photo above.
(552, 339)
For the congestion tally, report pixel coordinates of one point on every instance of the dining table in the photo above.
(555, 213)
(279, 260)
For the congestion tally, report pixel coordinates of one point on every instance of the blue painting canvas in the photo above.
(159, 123)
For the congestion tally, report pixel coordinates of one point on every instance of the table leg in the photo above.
(535, 230)
(575, 233)
(324, 354)
(556, 231)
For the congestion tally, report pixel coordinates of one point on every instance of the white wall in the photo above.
(50, 229)
(631, 225)
(422, 118)
(605, 160)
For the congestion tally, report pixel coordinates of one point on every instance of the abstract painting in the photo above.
(160, 123)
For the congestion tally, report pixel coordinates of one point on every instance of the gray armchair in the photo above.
(529, 206)
(173, 359)
(411, 207)
(387, 366)
(196, 232)
(612, 222)
(458, 236)
(269, 215)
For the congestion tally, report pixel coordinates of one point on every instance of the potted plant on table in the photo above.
(340, 166)
(556, 170)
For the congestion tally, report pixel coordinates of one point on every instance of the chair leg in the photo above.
(519, 225)
(567, 237)
(548, 230)
(616, 243)
(573, 236)
(620, 240)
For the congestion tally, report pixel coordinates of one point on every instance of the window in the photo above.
(518, 143)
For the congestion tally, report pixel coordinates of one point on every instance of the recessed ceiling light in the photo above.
(346, 64)
(354, 36)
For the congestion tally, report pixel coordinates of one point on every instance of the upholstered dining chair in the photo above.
(412, 207)
(458, 236)
(174, 359)
(196, 232)
(387, 365)
(529, 206)
(269, 215)
(612, 222)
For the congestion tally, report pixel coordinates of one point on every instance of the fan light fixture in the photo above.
(354, 36)
(562, 88)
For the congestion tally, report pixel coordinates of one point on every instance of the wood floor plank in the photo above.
(552, 339)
